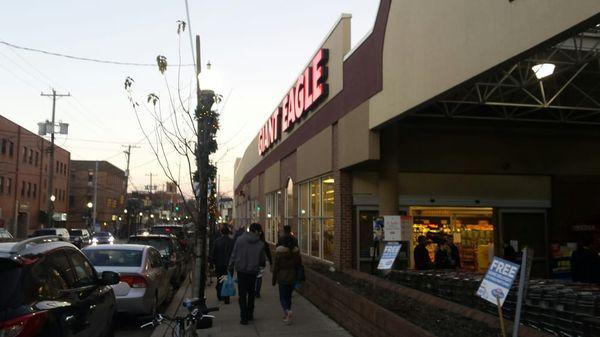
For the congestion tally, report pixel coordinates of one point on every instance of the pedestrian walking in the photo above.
(247, 257)
(268, 258)
(240, 231)
(442, 255)
(287, 232)
(422, 260)
(286, 264)
(219, 258)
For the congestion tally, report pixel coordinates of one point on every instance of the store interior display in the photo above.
(470, 229)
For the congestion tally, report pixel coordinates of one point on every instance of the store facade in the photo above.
(430, 122)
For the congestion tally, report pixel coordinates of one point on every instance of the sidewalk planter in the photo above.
(360, 316)
(370, 306)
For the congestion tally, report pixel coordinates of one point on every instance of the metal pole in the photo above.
(51, 164)
(94, 211)
(522, 276)
(50, 209)
(196, 272)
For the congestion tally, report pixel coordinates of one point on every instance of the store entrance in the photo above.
(470, 229)
(366, 250)
(527, 228)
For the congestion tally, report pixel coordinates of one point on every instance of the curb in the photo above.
(174, 306)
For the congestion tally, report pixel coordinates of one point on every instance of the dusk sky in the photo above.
(256, 49)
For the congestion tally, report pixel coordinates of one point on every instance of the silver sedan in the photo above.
(144, 284)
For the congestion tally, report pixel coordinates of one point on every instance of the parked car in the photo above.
(169, 249)
(62, 233)
(183, 238)
(5, 236)
(144, 277)
(103, 238)
(50, 289)
(80, 237)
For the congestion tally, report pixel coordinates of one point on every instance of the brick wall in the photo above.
(343, 236)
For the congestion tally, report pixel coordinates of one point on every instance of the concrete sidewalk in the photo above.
(268, 315)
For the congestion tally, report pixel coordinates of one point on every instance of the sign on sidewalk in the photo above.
(497, 281)
(390, 252)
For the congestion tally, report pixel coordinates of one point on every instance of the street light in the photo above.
(141, 214)
(152, 216)
(52, 198)
(125, 211)
(89, 205)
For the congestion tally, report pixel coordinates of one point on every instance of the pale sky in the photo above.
(256, 49)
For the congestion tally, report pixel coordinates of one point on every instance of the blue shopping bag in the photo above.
(228, 287)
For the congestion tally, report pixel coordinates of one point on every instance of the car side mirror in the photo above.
(109, 278)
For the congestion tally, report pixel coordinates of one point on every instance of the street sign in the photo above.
(392, 225)
(390, 252)
(497, 281)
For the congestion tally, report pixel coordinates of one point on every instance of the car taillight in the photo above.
(23, 326)
(135, 281)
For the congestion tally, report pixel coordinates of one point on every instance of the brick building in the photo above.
(24, 165)
(110, 199)
(489, 142)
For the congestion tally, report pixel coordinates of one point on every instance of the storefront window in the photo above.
(327, 189)
(470, 229)
(303, 214)
(315, 213)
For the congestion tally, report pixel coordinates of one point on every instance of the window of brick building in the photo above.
(30, 156)
(4, 145)
(34, 190)
(25, 154)
(11, 148)
(8, 185)
(1, 185)
(29, 190)
(37, 158)
(22, 189)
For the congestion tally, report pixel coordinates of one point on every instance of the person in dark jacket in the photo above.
(240, 231)
(269, 258)
(285, 265)
(247, 257)
(219, 257)
(287, 232)
(442, 255)
(454, 254)
(421, 254)
(585, 263)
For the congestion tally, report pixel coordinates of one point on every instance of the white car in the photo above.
(144, 279)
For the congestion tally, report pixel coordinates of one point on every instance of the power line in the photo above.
(87, 59)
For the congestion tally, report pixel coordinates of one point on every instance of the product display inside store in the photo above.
(470, 229)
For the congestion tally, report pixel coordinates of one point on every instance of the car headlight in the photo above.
(94, 241)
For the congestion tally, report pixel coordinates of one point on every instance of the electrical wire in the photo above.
(86, 59)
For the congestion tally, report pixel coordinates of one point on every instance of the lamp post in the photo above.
(140, 222)
(51, 211)
(89, 213)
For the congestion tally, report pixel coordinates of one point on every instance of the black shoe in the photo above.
(244, 322)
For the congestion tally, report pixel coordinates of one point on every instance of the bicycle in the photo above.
(185, 326)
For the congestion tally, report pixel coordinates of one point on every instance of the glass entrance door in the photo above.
(364, 223)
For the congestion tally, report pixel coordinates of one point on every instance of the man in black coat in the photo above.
(585, 263)
(421, 254)
(219, 257)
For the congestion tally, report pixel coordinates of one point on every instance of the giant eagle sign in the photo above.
(308, 91)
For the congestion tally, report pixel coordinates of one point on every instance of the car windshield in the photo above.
(178, 231)
(76, 232)
(47, 231)
(114, 257)
(102, 234)
(162, 245)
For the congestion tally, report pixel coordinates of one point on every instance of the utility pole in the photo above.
(50, 210)
(94, 211)
(128, 155)
(151, 187)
